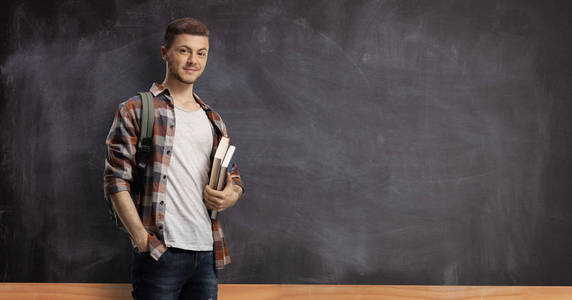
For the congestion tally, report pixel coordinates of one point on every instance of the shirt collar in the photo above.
(158, 88)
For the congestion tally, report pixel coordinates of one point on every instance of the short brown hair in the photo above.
(184, 25)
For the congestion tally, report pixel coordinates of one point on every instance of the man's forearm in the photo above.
(127, 212)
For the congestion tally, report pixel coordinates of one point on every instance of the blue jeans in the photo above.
(178, 274)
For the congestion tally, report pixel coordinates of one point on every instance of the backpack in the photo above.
(144, 150)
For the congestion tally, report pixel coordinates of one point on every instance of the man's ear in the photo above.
(164, 53)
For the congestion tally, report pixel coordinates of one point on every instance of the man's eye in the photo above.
(183, 51)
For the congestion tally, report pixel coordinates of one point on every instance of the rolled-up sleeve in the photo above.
(121, 145)
(235, 176)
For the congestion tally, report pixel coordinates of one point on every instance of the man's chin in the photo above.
(185, 81)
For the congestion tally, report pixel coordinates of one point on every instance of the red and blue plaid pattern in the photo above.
(121, 162)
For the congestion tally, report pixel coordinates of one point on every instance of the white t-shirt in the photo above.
(187, 223)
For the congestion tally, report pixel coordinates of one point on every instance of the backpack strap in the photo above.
(145, 145)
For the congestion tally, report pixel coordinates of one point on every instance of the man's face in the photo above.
(187, 57)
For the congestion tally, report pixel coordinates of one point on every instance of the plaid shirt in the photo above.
(121, 161)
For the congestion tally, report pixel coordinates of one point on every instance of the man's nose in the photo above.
(192, 58)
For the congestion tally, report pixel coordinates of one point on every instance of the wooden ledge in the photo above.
(98, 291)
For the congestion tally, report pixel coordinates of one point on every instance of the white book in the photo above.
(219, 155)
(217, 160)
(225, 166)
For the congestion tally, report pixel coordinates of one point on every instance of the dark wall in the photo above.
(381, 142)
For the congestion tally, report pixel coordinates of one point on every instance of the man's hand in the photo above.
(221, 200)
(123, 204)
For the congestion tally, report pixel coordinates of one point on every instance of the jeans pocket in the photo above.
(138, 252)
(162, 257)
(144, 254)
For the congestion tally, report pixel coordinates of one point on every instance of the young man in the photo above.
(177, 247)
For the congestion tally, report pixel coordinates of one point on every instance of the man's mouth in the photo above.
(190, 70)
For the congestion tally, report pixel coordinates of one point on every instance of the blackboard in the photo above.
(381, 142)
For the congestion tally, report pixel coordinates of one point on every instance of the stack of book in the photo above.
(222, 163)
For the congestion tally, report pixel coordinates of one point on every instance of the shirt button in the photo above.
(172, 125)
(162, 203)
(160, 227)
(168, 151)
(164, 176)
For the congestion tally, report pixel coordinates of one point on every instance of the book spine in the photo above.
(215, 173)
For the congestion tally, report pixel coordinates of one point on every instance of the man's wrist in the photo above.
(142, 239)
